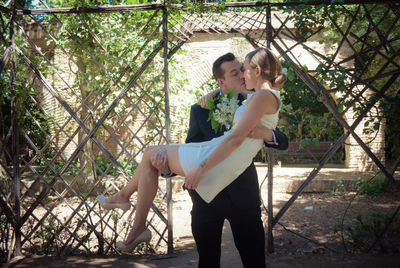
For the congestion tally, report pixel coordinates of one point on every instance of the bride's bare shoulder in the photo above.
(266, 96)
(264, 93)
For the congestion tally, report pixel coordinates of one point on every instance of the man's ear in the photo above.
(221, 82)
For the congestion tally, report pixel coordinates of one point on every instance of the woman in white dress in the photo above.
(227, 156)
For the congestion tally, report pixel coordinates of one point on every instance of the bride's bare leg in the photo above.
(173, 159)
(147, 183)
(132, 186)
(125, 193)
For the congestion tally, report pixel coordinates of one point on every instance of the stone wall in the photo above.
(356, 157)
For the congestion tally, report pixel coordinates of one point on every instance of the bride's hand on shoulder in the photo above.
(209, 96)
(194, 177)
(261, 132)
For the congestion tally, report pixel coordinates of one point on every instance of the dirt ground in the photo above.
(313, 216)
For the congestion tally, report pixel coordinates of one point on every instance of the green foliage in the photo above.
(4, 237)
(391, 109)
(182, 95)
(17, 86)
(210, 85)
(307, 142)
(114, 217)
(365, 227)
(72, 170)
(46, 231)
(199, 8)
(377, 23)
(303, 117)
(129, 166)
(107, 57)
(103, 165)
(340, 188)
(31, 119)
(373, 186)
(83, 224)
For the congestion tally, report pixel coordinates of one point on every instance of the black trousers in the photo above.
(247, 230)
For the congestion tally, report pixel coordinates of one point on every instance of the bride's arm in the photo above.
(255, 110)
(209, 96)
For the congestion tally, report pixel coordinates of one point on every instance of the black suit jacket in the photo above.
(243, 191)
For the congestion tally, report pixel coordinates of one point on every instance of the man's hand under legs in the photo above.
(160, 161)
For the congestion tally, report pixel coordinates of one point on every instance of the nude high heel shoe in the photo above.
(145, 236)
(103, 203)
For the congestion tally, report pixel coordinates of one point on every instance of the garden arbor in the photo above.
(89, 89)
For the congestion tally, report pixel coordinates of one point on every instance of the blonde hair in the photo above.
(271, 68)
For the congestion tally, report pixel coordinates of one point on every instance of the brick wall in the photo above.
(356, 157)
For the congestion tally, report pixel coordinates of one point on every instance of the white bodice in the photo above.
(269, 121)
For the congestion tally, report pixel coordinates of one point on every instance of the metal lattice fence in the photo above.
(89, 122)
(100, 97)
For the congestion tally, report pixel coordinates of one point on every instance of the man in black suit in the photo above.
(239, 202)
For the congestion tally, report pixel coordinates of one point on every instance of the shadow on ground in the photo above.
(313, 260)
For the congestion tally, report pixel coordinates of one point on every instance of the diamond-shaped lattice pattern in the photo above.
(344, 71)
(97, 99)
(98, 103)
(358, 36)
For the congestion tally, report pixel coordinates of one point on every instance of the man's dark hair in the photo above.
(216, 69)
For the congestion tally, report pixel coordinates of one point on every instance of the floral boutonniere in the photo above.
(222, 110)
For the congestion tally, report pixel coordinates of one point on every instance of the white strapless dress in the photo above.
(215, 180)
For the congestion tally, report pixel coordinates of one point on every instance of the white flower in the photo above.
(225, 111)
(222, 111)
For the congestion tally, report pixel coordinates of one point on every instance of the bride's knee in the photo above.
(149, 149)
(148, 152)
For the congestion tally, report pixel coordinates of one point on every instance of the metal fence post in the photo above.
(270, 239)
(270, 156)
(167, 128)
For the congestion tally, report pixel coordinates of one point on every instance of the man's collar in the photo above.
(240, 97)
